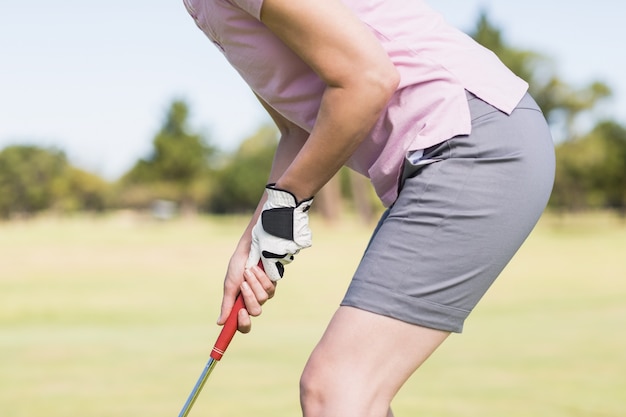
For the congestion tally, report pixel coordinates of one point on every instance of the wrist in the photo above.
(243, 246)
(299, 193)
(286, 197)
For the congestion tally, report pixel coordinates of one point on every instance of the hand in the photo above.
(281, 231)
(255, 287)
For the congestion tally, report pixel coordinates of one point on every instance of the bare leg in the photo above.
(361, 362)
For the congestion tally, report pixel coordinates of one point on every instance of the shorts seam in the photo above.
(432, 314)
(419, 299)
(529, 108)
(483, 115)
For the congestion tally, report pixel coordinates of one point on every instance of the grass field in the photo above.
(114, 316)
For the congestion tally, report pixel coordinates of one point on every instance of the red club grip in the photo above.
(229, 329)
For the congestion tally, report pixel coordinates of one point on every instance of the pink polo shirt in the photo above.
(436, 62)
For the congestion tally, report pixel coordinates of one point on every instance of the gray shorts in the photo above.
(460, 217)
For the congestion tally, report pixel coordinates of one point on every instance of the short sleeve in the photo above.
(251, 6)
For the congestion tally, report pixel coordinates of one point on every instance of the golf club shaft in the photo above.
(221, 344)
(198, 387)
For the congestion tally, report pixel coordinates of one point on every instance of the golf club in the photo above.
(221, 344)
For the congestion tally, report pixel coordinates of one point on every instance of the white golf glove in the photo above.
(281, 231)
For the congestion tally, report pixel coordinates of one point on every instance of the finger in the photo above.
(255, 284)
(244, 323)
(228, 300)
(269, 286)
(252, 304)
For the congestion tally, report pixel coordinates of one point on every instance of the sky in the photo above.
(95, 79)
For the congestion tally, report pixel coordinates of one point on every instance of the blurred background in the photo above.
(130, 154)
(119, 104)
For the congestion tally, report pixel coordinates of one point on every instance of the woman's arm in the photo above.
(360, 79)
(292, 138)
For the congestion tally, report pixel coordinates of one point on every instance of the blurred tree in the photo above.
(591, 171)
(27, 177)
(241, 182)
(177, 169)
(610, 169)
(561, 103)
(366, 203)
(328, 201)
(78, 190)
(359, 195)
(34, 179)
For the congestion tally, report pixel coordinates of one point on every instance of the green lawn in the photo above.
(115, 316)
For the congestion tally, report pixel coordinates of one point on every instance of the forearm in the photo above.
(359, 76)
(340, 128)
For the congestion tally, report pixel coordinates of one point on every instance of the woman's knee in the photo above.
(312, 393)
(327, 390)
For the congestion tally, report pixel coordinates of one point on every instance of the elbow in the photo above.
(383, 83)
(391, 80)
